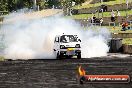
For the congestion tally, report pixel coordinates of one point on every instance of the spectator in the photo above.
(101, 21)
(94, 19)
(124, 26)
(112, 16)
(89, 20)
(118, 16)
(118, 13)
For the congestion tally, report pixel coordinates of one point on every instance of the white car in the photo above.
(67, 46)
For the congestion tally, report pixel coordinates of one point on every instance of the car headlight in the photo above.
(62, 46)
(77, 46)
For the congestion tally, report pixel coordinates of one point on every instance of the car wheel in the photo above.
(58, 56)
(79, 56)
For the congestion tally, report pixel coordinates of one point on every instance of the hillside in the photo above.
(93, 7)
(32, 15)
(95, 3)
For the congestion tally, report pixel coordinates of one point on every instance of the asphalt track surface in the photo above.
(61, 73)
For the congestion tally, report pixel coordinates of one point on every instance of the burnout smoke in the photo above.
(34, 38)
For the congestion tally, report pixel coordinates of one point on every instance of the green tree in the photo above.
(42, 4)
(79, 1)
(27, 3)
(13, 5)
(19, 4)
(56, 3)
(3, 5)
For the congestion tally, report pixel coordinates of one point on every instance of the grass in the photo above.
(105, 14)
(2, 58)
(112, 29)
(117, 29)
(127, 41)
(98, 4)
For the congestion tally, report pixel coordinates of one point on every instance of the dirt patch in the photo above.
(34, 15)
(61, 73)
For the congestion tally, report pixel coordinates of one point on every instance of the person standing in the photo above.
(118, 16)
(124, 26)
(101, 21)
(112, 16)
(94, 19)
(118, 13)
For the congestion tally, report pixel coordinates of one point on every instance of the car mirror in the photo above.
(79, 40)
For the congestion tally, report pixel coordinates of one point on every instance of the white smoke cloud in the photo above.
(34, 39)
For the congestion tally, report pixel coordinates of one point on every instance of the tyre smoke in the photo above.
(34, 38)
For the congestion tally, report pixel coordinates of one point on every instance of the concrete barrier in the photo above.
(121, 35)
(107, 20)
(90, 10)
(127, 49)
(115, 45)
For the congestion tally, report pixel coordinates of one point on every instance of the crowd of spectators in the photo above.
(115, 17)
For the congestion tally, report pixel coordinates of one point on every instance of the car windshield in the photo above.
(68, 38)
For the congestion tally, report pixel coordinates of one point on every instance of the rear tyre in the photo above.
(58, 56)
(81, 81)
(79, 56)
(61, 56)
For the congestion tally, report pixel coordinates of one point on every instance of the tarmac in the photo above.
(46, 73)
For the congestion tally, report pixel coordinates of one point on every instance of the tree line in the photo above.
(13, 5)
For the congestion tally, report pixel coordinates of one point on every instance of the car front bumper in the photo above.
(72, 52)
